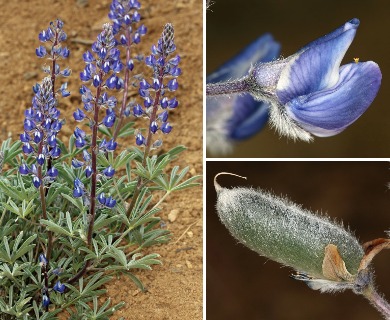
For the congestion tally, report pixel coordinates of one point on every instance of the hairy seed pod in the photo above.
(284, 232)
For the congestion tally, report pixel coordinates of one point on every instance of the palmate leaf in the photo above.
(172, 153)
(174, 181)
(107, 132)
(27, 245)
(77, 202)
(54, 192)
(127, 130)
(153, 167)
(52, 226)
(22, 211)
(12, 191)
(10, 151)
(136, 262)
(51, 315)
(97, 313)
(136, 280)
(19, 308)
(123, 158)
(6, 255)
(14, 272)
(90, 289)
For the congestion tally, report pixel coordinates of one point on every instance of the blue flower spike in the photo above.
(308, 92)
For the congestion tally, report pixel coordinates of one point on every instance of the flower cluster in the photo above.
(42, 123)
(41, 127)
(102, 67)
(54, 34)
(125, 18)
(124, 13)
(106, 59)
(156, 104)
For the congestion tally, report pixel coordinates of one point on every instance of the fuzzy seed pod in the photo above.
(284, 232)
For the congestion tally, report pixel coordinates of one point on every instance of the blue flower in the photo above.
(308, 92)
(52, 172)
(36, 182)
(76, 163)
(88, 171)
(23, 169)
(108, 202)
(166, 128)
(238, 117)
(79, 115)
(314, 95)
(111, 145)
(109, 119)
(45, 301)
(78, 190)
(138, 111)
(139, 139)
(109, 172)
(42, 260)
(59, 287)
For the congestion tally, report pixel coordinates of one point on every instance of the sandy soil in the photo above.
(175, 288)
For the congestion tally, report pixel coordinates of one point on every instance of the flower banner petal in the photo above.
(316, 66)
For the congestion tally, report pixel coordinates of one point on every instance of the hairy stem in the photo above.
(378, 301)
(79, 274)
(94, 153)
(53, 66)
(92, 208)
(126, 87)
(226, 88)
(44, 215)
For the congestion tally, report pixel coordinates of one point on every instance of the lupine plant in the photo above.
(325, 255)
(304, 95)
(73, 216)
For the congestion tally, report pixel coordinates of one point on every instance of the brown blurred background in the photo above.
(231, 25)
(240, 284)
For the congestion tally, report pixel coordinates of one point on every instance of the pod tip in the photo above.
(216, 184)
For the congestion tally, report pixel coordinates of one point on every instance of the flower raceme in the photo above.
(308, 92)
(102, 67)
(155, 91)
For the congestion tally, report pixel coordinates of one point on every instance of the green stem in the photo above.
(92, 210)
(161, 200)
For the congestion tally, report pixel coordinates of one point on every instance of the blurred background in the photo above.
(231, 25)
(240, 284)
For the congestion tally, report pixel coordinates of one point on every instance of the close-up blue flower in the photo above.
(306, 94)
(311, 94)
